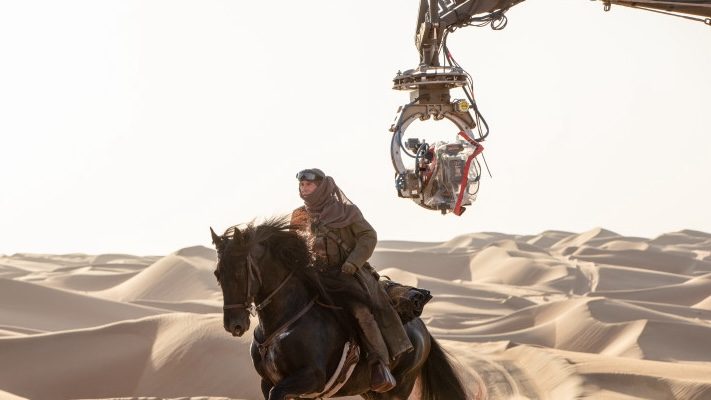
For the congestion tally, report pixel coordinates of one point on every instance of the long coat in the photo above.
(355, 244)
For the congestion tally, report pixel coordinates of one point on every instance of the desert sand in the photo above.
(557, 315)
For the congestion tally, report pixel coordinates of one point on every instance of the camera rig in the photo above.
(445, 176)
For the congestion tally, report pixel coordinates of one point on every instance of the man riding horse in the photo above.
(342, 242)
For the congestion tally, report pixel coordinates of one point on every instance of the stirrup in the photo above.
(381, 379)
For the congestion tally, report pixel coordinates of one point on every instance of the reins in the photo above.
(268, 341)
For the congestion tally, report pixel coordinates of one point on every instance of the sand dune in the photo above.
(184, 275)
(171, 355)
(31, 306)
(556, 315)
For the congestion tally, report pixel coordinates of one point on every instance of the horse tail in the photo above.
(438, 378)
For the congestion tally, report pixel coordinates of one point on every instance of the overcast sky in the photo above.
(133, 126)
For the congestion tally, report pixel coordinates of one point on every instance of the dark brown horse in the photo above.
(300, 341)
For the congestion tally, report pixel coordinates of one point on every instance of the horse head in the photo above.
(239, 286)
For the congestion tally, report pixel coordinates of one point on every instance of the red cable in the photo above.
(458, 210)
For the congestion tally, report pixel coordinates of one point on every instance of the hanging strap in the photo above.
(331, 235)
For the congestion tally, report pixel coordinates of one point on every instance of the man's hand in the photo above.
(349, 268)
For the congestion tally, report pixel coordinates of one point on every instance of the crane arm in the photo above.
(700, 8)
(453, 12)
(435, 17)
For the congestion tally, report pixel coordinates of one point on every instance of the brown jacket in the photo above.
(332, 243)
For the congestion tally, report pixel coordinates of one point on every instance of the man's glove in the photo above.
(349, 268)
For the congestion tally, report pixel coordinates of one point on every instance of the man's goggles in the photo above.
(308, 175)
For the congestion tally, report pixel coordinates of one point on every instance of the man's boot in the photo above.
(381, 379)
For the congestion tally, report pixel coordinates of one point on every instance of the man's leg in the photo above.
(378, 357)
(387, 318)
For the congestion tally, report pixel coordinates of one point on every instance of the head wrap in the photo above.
(329, 206)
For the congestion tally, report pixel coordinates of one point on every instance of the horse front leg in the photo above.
(266, 387)
(291, 387)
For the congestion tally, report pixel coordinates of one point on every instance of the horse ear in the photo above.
(216, 240)
(237, 235)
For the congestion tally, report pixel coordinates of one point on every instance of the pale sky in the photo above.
(134, 126)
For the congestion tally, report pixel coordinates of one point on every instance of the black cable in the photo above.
(399, 135)
(477, 179)
(469, 92)
(417, 159)
(486, 164)
(496, 19)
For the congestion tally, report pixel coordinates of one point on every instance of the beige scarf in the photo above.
(329, 206)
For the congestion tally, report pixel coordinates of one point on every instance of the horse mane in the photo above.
(286, 244)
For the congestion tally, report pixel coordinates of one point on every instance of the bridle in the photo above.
(253, 273)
